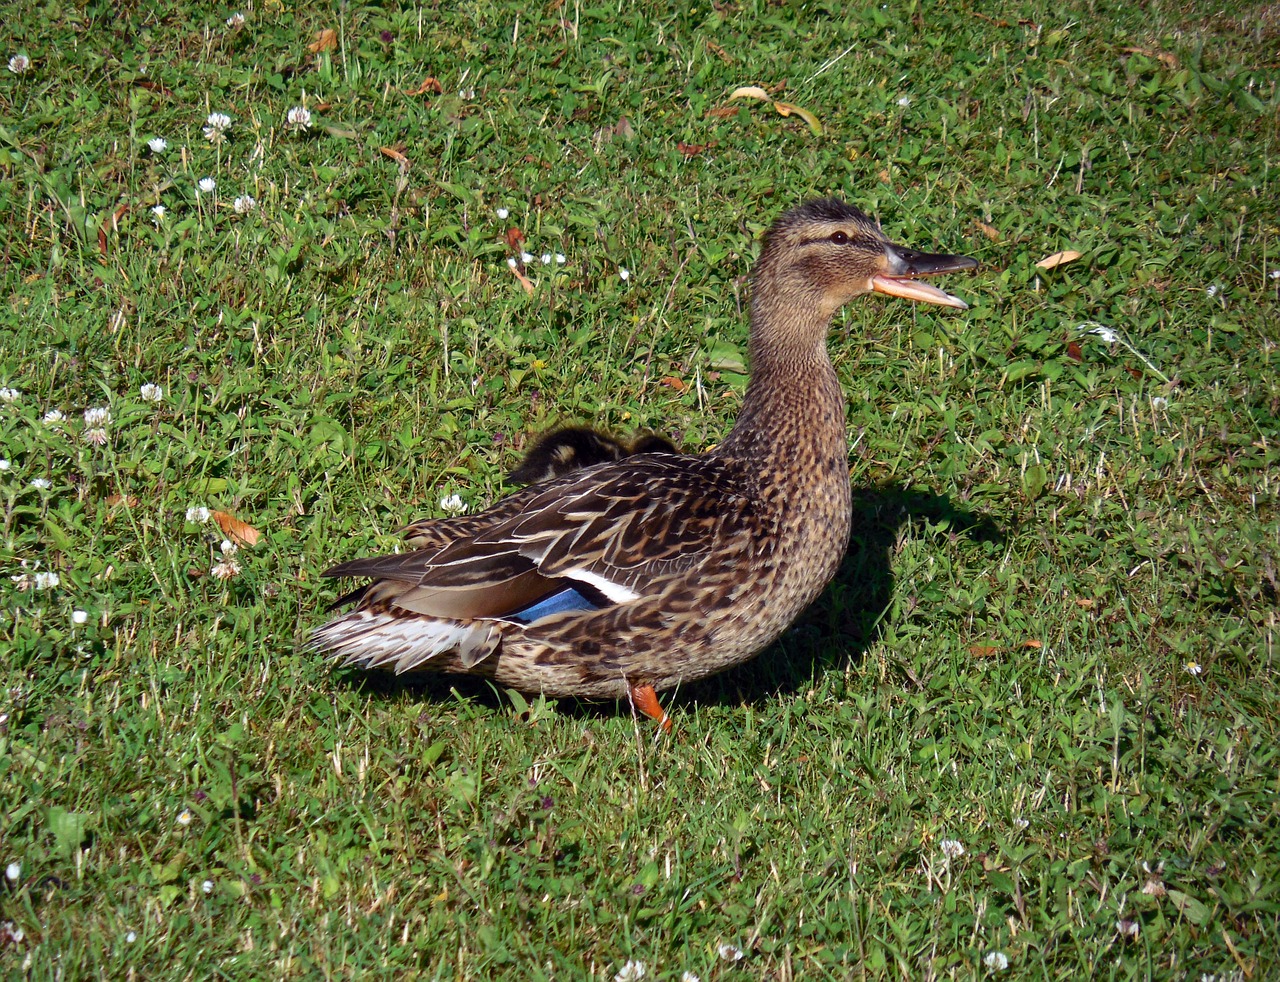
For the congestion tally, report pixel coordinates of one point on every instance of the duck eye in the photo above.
(839, 238)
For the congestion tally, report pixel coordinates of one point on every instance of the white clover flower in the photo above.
(216, 126)
(245, 204)
(8, 394)
(97, 416)
(131, 937)
(206, 184)
(228, 548)
(299, 118)
(207, 886)
(151, 392)
(729, 953)
(41, 483)
(1159, 402)
(97, 435)
(157, 213)
(689, 977)
(235, 21)
(997, 961)
(904, 101)
(198, 514)
(629, 972)
(503, 213)
(452, 504)
(951, 848)
(1194, 668)
(624, 273)
(13, 871)
(185, 816)
(546, 259)
(46, 581)
(79, 617)
(511, 261)
(53, 417)
(560, 260)
(225, 570)
(19, 64)
(4, 464)
(158, 144)
(526, 257)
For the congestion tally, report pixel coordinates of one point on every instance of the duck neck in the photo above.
(793, 408)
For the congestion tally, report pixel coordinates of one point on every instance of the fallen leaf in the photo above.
(515, 238)
(750, 92)
(1074, 352)
(719, 52)
(395, 155)
(239, 532)
(150, 86)
(783, 108)
(524, 280)
(128, 500)
(1032, 643)
(1084, 603)
(1058, 258)
(990, 231)
(671, 382)
(326, 40)
(1166, 58)
(722, 112)
(429, 84)
(694, 149)
(983, 650)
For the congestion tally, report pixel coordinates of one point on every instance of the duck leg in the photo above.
(645, 699)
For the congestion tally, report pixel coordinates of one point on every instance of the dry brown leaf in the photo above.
(515, 238)
(723, 112)
(429, 84)
(1032, 643)
(1166, 58)
(395, 155)
(983, 650)
(524, 280)
(241, 533)
(719, 52)
(671, 382)
(326, 40)
(783, 108)
(128, 500)
(990, 231)
(1058, 258)
(1084, 603)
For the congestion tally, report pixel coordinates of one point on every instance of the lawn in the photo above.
(260, 312)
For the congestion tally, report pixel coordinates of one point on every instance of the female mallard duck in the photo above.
(571, 448)
(635, 575)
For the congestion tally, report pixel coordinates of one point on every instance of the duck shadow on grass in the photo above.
(837, 628)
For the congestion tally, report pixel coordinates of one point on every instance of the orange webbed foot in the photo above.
(645, 699)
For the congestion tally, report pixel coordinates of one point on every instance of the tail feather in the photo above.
(372, 639)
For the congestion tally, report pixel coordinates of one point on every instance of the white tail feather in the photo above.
(402, 643)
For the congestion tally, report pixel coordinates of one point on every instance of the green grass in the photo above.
(1050, 528)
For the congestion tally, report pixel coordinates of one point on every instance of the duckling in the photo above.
(570, 448)
(639, 574)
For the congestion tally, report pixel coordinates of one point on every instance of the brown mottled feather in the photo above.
(695, 562)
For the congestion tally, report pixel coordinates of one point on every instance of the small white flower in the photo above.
(997, 961)
(511, 261)
(185, 816)
(503, 213)
(560, 260)
(730, 953)
(1127, 928)
(225, 570)
(467, 93)
(207, 886)
(198, 514)
(1275, 274)
(158, 144)
(206, 184)
(54, 417)
(4, 464)
(19, 64)
(951, 848)
(215, 126)
(97, 416)
(1021, 824)
(630, 971)
(1104, 332)
(157, 213)
(228, 548)
(97, 435)
(46, 581)
(13, 871)
(151, 392)
(452, 504)
(546, 259)
(1194, 668)
(79, 617)
(299, 118)
(904, 101)
(526, 257)
(235, 21)
(131, 937)
(624, 273)
(41, 483)
(245, 204)
(1159, 402)
(9, 395)
(689, 977)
